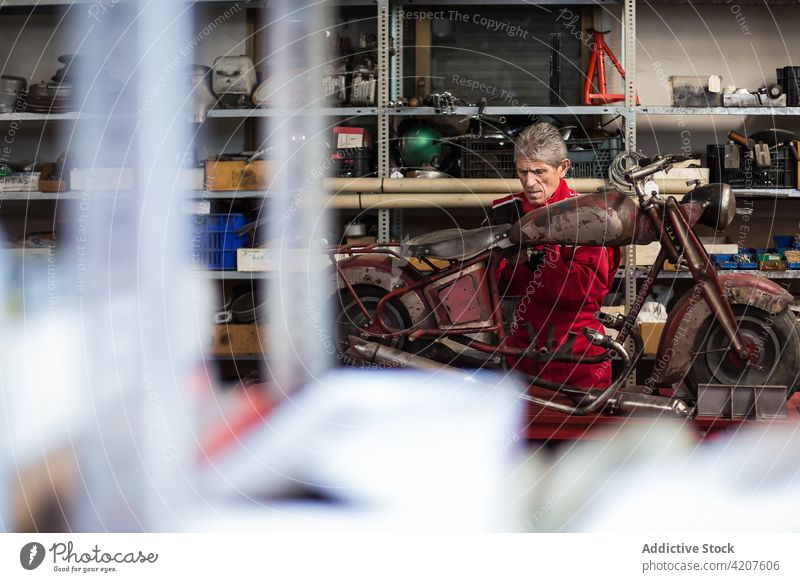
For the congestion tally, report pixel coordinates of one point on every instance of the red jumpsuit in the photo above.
(562, 294)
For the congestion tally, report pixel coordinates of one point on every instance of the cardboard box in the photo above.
(229, 176)
(20, 182)
(259, 260)
(238, 339)
(651, 335)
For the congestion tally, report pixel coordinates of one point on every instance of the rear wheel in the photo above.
(773, 342)
(349, 320)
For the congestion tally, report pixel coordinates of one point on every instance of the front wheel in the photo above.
(774, 344)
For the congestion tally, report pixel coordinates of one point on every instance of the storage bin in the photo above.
(782, 173)
(595, 156)
(215, 241)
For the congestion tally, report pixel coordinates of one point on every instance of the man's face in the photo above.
(539, 180)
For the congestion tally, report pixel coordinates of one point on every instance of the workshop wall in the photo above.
(742, 44)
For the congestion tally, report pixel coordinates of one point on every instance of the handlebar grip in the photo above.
(740, 139)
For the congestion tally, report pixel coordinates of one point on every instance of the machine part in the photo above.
(363, 90)
(203, 98)
(11, 89)
(388, 273)
(376, 353)
(774, 91)
(743, 141)
(758, 402)
(597, 63)
(233, 80)
(773, 341)
(426, 174)
(461, 300)
(607, 219)
(420, 145)
(621, 163)
(691, 312)
(732, 159)
(637, 402)
(355, 228)
(243, 309)
(774, 137)
(747, 99)
(456, 243)
(598, 399)
(761, 155)
(49, 98)
(350, 320)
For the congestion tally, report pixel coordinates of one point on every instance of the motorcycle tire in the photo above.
(777, 339)
(350, 320)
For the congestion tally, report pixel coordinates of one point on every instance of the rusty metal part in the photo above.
(675, 355)
(461, 299)
(628, 402)
(389, 272)
(598, 402)
(456, 243)
(705, 274)
(379, 354)
(602, 219)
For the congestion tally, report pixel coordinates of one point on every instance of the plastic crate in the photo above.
(487, 158)
(724, 261)
(595, 157)
(747, 265)
(215, 241)
(782, 173)
(351, 163)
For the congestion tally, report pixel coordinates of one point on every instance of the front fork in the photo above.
(678, 238)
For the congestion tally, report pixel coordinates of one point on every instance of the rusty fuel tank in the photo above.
(598, 219)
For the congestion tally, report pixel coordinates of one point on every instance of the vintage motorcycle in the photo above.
(728, 329)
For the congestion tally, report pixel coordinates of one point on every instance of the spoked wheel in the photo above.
(351, 320)
(773, 342)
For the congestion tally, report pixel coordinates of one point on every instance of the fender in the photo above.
(675, 350)
(387, 272)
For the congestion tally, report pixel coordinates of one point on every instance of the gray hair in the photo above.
(542, 142)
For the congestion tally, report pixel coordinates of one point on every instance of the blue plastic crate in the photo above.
(215, 241)
(783, 241)
(748, 265)
(724, 261)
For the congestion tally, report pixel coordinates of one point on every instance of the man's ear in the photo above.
(565, 165)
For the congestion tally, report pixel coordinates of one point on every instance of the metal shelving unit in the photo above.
(641, 273)
(234, 275)
(770, 111)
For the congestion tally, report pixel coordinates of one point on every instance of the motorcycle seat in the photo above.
(456, 244)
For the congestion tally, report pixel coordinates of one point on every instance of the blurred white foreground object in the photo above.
(656, 479)
(389, 450)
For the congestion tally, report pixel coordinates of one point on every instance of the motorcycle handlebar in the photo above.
(659, 164)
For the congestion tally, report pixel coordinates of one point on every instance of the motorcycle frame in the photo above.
(678, 240)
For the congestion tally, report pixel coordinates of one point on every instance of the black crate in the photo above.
(782, 173)
(487, 158)
(594, 156)
(351, 163)
(590, 158)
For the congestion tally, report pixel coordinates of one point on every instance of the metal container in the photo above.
(199, 80)
(10, 90)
